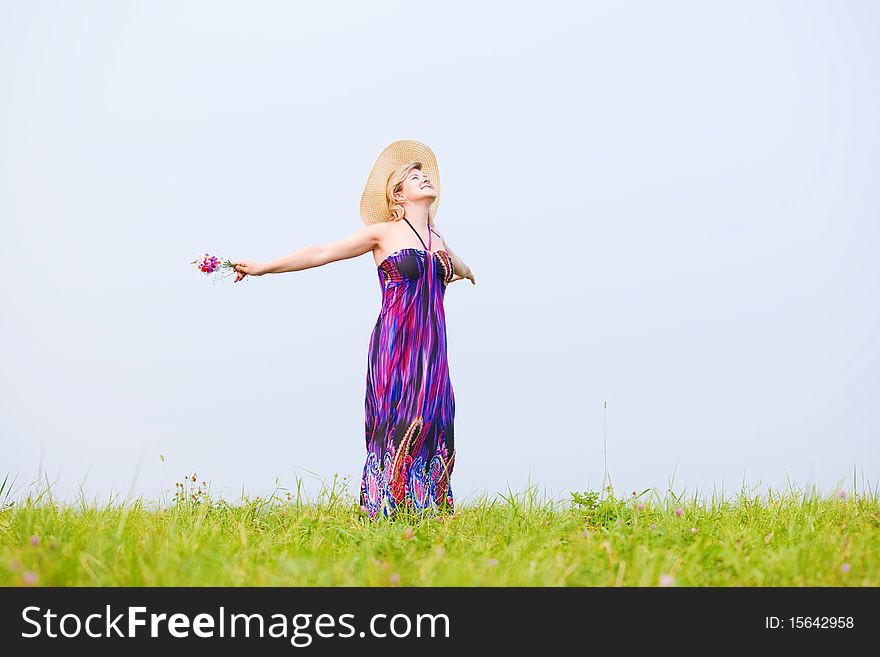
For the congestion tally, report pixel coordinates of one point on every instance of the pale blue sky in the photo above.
(669, 206)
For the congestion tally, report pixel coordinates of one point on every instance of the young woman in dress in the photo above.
(409, 404)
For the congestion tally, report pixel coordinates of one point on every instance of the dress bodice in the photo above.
(409, 265)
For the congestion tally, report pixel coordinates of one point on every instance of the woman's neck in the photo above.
(418, 222)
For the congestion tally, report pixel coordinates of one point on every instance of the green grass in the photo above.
(518, 539)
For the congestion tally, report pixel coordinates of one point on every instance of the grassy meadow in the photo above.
(592, 538)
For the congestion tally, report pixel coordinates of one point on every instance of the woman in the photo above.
(410, 405)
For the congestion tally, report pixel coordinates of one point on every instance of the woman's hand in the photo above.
(247, 267)
(469, 276)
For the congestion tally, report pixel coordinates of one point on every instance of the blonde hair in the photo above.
(395, 183)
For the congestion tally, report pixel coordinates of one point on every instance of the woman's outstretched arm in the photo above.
(459, 268)
(364, 240)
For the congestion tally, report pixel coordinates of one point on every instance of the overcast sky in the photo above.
(669, 207)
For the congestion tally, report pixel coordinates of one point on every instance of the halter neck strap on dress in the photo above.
(427, 248)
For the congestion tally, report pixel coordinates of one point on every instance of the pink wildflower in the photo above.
(667, 580)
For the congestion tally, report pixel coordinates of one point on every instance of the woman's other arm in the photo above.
(364, 240)
(459, 268)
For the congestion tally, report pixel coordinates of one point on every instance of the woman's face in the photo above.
(416, 187)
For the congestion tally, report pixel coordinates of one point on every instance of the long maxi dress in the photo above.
(410, 405)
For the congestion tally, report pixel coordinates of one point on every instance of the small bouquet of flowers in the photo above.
(208, 264)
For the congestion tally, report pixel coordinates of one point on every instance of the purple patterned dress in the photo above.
(410, 406)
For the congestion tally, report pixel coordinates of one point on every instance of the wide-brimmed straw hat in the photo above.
(374, 202)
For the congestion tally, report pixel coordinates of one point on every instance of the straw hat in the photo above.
(374, 203)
